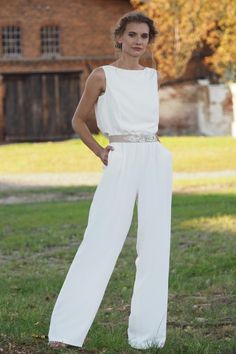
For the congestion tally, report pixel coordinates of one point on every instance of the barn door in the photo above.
(40, 106)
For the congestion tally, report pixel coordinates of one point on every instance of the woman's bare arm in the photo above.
(93, 87)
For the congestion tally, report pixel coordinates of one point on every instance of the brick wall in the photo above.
(85, 32)
(84, 24)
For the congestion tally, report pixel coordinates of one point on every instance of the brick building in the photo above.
(47, 50)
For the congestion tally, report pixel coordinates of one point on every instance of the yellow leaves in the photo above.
(137, 4)
(183, 25)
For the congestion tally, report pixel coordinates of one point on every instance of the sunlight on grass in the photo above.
(202, 153)
(225, 224)
(190, 154)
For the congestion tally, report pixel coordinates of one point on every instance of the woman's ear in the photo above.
(118, 39)
(118, 44)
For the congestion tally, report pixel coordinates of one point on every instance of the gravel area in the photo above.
(22, 182)
(28, 180)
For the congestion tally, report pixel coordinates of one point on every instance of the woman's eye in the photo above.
(145, 36)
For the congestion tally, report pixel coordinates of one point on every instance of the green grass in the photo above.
(192, 154)
(38, 241)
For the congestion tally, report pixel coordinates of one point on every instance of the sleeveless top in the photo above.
(130, 103)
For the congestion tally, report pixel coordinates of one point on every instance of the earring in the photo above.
(118, 45)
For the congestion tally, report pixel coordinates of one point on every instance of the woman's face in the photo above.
(135, 38)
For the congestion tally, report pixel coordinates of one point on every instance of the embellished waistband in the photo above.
(133, 138)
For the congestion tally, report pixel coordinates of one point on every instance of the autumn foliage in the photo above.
(183, 28)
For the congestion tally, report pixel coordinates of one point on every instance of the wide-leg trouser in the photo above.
(139, 171)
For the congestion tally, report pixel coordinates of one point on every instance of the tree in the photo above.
(184, 26)
(180, 28)
(221, 38)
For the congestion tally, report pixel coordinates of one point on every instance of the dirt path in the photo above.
(43, 197)
(29, 180)
(10, 184)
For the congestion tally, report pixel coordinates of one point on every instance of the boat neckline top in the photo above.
(127, 69)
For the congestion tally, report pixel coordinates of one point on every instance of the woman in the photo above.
(137, 166)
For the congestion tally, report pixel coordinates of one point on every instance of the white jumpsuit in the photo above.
(136, 171)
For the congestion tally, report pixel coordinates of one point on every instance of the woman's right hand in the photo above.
(104, 154)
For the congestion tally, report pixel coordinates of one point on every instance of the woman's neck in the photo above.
(127, 64)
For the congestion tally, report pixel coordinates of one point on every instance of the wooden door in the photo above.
(40, 106)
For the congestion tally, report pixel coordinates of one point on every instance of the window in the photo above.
(50, 40)
(11, 40)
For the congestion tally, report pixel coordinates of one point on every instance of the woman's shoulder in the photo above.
(157, 72)
(154, 69)
(96, 78)
(97, 74)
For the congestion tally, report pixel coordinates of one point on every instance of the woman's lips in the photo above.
(137, 48)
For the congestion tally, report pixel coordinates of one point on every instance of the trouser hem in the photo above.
(68, 342)
(151, 343)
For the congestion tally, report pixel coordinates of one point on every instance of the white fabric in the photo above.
(130, 103)
(137, 171)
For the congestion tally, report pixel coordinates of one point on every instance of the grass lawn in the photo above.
(190, 154)
(38, 241)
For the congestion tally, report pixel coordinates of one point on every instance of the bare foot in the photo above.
(57, 345)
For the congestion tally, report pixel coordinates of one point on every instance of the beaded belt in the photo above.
(133, 138)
